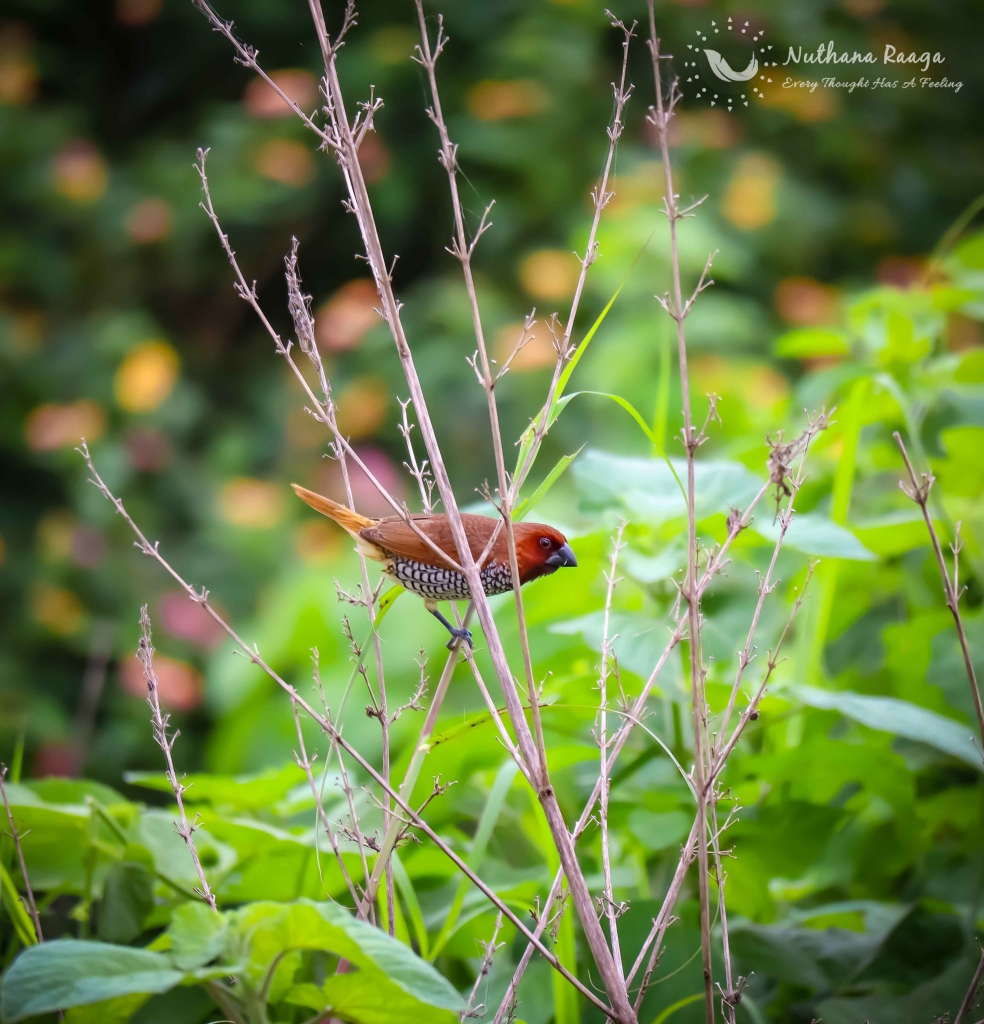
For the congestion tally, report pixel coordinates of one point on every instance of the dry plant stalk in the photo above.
(15, 835)
(160, 721)
(341, 135)
(918, 490)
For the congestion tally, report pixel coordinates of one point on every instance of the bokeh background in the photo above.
(118, 322)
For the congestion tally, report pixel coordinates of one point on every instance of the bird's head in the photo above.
(541, 550)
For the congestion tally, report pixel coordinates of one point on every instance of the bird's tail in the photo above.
(345, 517)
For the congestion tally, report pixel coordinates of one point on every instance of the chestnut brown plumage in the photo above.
(408, 559)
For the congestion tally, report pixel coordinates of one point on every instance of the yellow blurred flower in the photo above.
(536, 354)
(317, 541)
(58, 610)
(254, 504)
(262, 100)
(392, 44)
(146, 377)
(347, 316)
(286, 161)
(362, 407)
(149, 221)
(756, 385)
(61, 539)
(56, 425)
(750, 197)
(549, 274)
(79, 172)
(497, 101)
(806, 302)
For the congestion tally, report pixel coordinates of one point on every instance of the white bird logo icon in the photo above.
(722, 68)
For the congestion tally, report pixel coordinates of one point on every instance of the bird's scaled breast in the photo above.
(443, 584)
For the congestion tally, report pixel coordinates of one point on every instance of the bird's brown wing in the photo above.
(396, 536)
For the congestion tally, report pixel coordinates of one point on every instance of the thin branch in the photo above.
(306, 763)
(611, 909)
(489, 949)
(160, 720)
(15, 835)
(918, 490)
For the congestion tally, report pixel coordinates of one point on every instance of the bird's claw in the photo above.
(460, 634)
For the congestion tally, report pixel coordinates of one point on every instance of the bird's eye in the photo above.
(544, 542)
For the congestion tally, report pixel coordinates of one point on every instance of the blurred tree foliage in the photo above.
(859, 873)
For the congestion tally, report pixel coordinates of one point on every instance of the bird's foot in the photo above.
(459, 634)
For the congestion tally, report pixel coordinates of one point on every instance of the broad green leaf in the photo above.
(899, 717)
(894, 533)
(391, 978)
(815, 534)
(409, 894)
(127, 900)
(659, 831)
(645, 490)
(241, 792)
(198, 935)
(112, 1011)
(63, 973)
(811, 343)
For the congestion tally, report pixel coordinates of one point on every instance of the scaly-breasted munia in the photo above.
(540, 550)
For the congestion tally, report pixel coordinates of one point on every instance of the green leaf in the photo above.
(64, 973)
(894, 533)
(659, 831)
(128, 898)
(391, 983)
(111, 1011)
(811, 343)
(899, 717)
(646, 490)
(198, 935)
(243, 792)
(815, 534)
(409, 894)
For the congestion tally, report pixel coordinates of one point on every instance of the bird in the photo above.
(406, 558)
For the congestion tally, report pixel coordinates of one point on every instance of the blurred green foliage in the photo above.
(855, 889)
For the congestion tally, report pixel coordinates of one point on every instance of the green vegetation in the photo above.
(855, 882)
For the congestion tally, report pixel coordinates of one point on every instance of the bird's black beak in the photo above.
(562, 557)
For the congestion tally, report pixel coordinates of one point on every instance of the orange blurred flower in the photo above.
(342, 321)
(262, 100)
(55, 425)
(253, 504)
(497, 101)
(149, 221)
(286, 161)
(705, 129)
(146, 377)
(179, 685)
(749, 200)
(62, 538)
(147, 450)
(79, 172)
(537, 353)
(806, 302)
(901, 271)
(137, 12)
(317, 541)
(362, 407)
(549, 274)
(374, 158)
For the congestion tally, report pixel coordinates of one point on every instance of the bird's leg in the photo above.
(456, 633)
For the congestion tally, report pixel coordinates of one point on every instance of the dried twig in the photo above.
(918, 490)
(160, 721)
(15, 835)
(328, 727)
